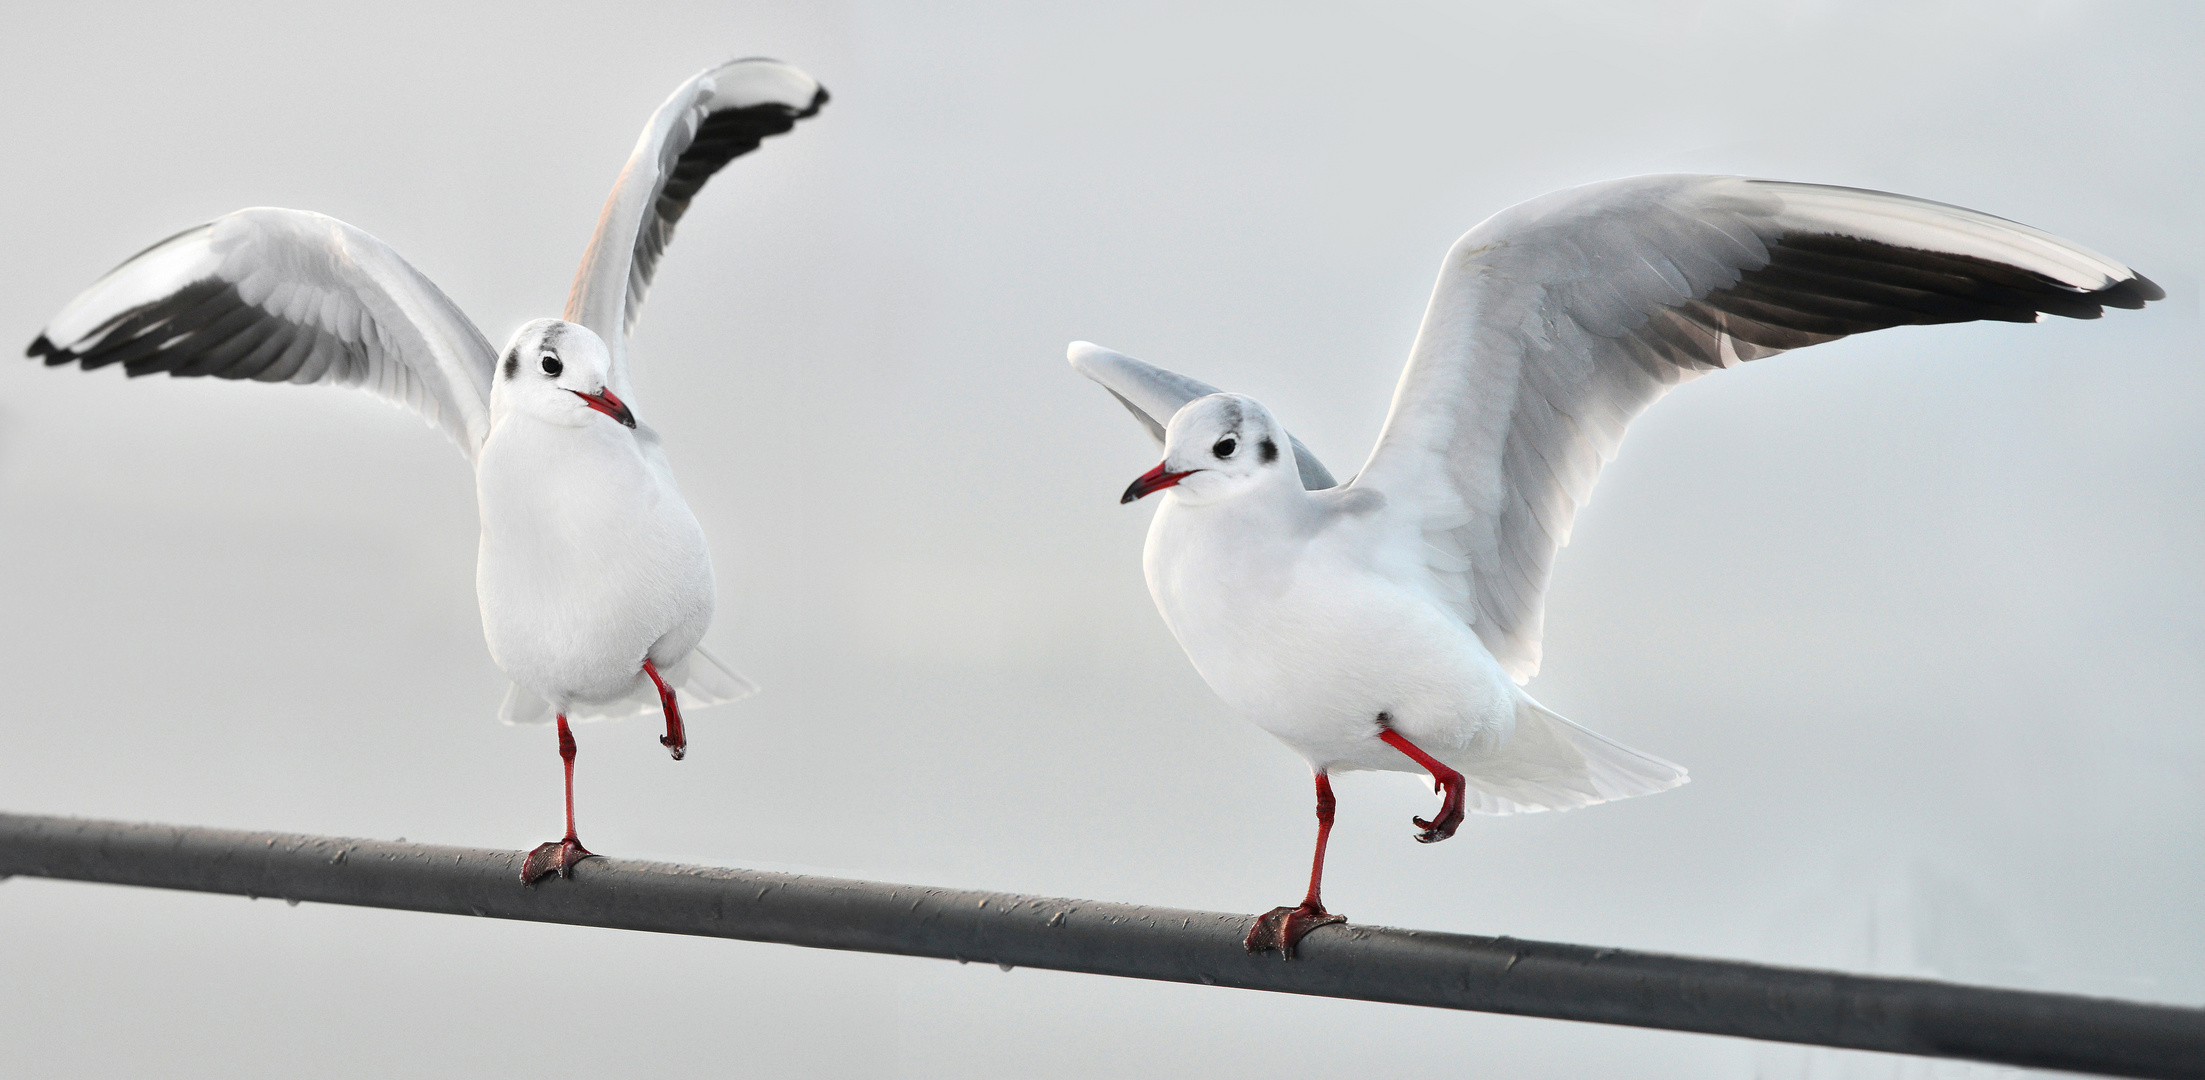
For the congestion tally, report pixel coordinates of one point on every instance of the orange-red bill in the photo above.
(1153, 481)
(604, 401)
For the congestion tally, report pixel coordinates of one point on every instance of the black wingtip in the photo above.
(54, 355)
(819, 96)
(2133, 293)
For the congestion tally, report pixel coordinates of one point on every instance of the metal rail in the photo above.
(1371, 963)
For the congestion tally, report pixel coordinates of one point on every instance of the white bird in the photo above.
(594, 580)
(1386, 623)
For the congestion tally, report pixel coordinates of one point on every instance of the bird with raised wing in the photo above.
(593, 575)
(1387, 623)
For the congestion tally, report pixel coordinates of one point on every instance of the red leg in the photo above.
(675, 738)
(1283, 927)
(1450, 788)
(558, 856)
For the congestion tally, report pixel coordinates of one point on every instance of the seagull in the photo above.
(1388, 623)
(594, 578)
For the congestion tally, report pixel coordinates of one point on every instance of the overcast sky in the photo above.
(1922, 612)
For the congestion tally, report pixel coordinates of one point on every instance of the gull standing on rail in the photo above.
(1386, 623)
(594, 578)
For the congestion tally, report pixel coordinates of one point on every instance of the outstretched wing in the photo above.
(1154, 395)
(284, 296)
(714, 118)
(1557, 321)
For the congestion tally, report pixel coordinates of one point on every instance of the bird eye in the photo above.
(1225, 447)
(552, 366)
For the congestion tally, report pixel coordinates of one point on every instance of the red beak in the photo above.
(1153, 481)
(604, 401)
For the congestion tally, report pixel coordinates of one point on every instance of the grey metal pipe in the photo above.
(1370, 963)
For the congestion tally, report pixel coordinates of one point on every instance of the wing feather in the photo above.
(719, 115)
(284, 296)
(1556, 322)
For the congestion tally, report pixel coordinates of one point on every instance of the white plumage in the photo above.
(595, 581)
(1399, 612)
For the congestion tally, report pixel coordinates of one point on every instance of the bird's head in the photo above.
(1218, 447)
(557, 371)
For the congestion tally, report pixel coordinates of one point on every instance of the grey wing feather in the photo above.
(1556, 322)
(719, 115)
(284, 296)
(1154, 395)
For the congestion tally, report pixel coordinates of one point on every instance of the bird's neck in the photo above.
(553, 436)
(532, 464)
(1266, 515)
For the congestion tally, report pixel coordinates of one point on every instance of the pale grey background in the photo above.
(1921, 612)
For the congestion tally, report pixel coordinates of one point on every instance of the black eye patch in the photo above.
(552, 366)
(1225, 447)
(512, 364)
(1270, 451)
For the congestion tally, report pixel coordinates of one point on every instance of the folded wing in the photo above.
(714, 118)
(284, 296)
(1556, 322)
(1153, 395)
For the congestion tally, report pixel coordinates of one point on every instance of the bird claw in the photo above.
(1450, 819)
(676, 739)
(1281, 928)
(1446, 781)
(555, 856)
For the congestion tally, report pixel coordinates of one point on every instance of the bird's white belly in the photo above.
(1313, 647)
(590, 561)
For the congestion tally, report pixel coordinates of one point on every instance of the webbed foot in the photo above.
(1282, 928)
(555, 857)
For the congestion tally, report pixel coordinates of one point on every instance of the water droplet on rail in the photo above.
(291, 901)
(1003, 966)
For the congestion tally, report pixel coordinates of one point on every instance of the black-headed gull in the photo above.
(1386, 623)
(595, 583)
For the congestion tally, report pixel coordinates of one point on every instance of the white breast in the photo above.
(590, 559)
(1289, 622)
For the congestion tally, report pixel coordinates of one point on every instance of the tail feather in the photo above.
(1549, 763)
(700, 679)
(523, 707)
(712, 682)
